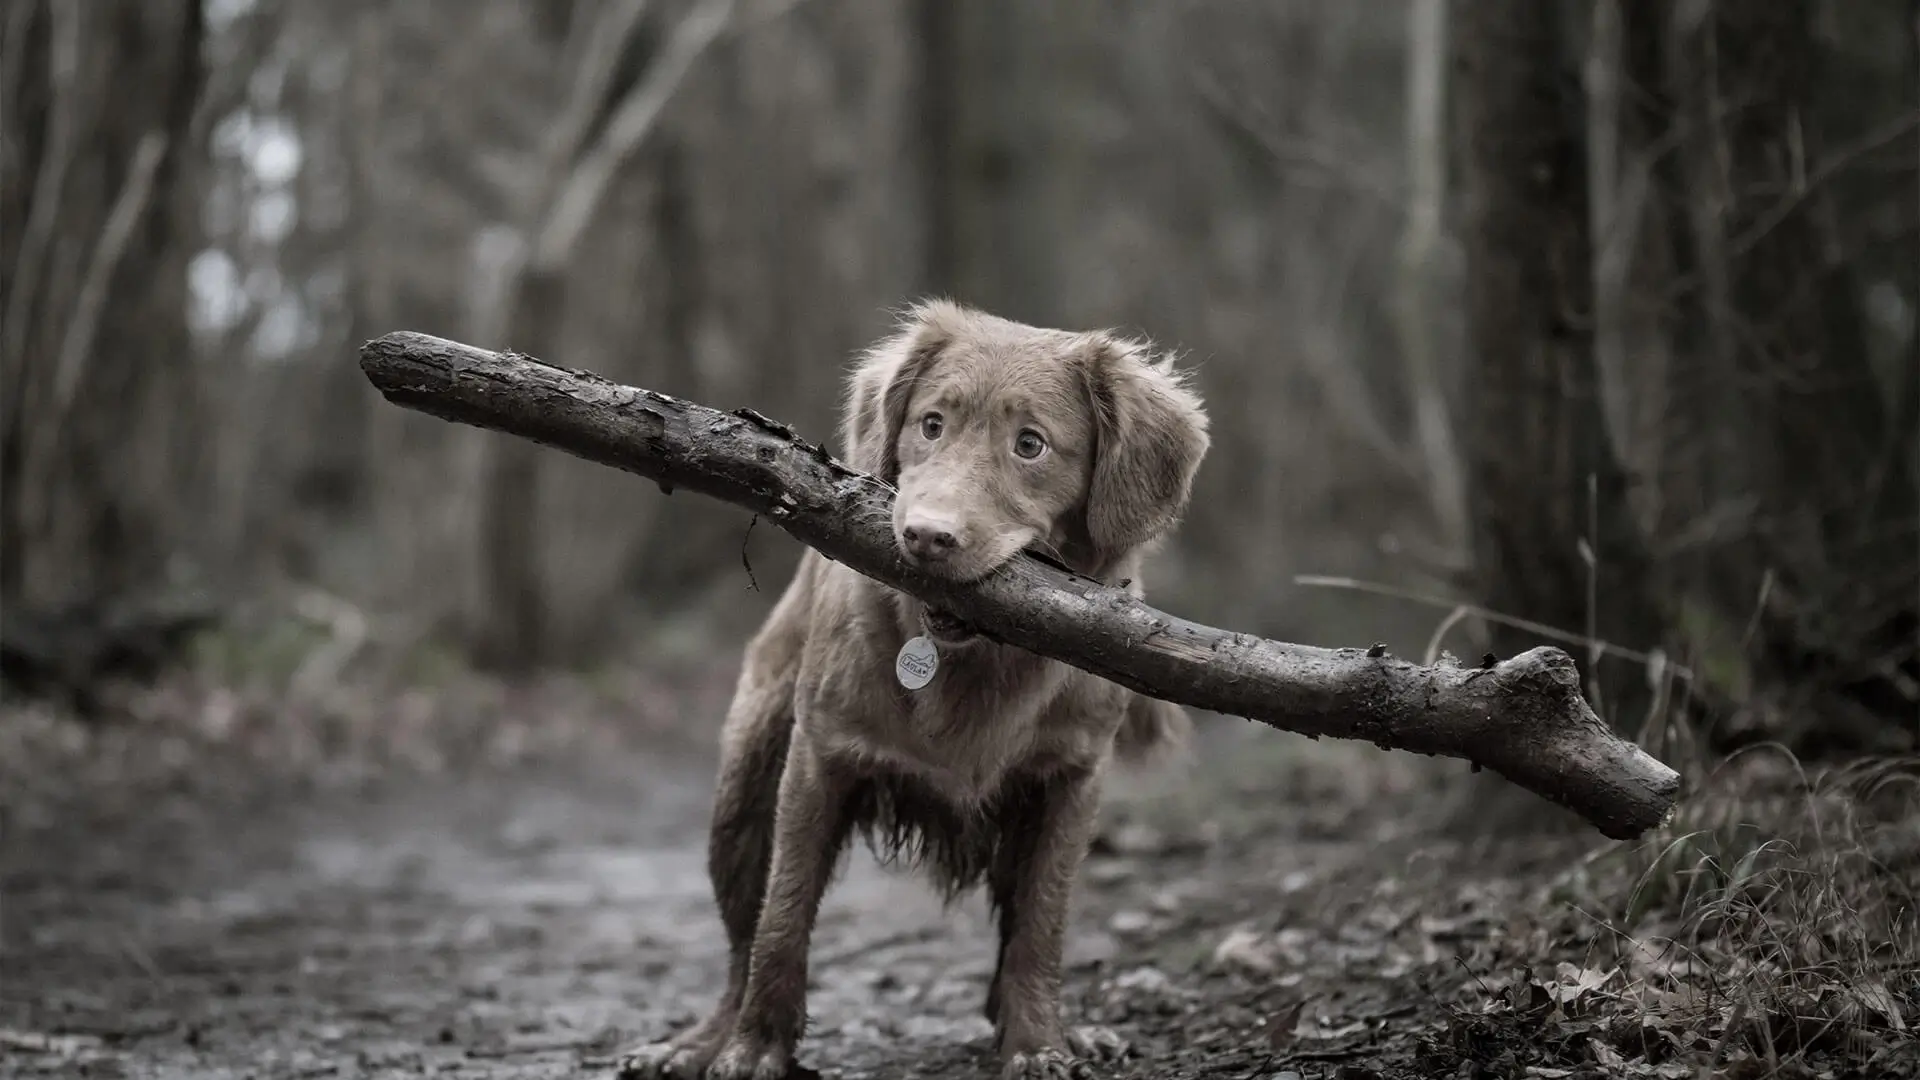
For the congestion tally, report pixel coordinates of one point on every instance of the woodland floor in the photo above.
(492, 883)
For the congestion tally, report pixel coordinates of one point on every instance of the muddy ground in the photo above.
(1273, 908)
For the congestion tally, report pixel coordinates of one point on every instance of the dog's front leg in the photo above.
(809, 828)
(1038, 890)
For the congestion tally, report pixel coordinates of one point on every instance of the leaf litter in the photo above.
(1296, 922)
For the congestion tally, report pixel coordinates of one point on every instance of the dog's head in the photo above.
(1001, 436)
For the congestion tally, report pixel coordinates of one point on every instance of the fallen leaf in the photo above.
(1344, 1031)
(1282, 1029)
(1606, 1056)
(1571, 982)
(40, 1042)
(1245, 949)
(1875, 996)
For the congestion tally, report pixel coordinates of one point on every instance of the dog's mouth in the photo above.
(945, 627)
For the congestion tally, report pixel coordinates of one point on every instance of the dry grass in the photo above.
(1771, 930)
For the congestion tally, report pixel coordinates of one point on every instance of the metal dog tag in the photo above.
(916, 662)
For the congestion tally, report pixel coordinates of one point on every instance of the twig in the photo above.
(1739, 1014)
(350, 631)
(1549, 632)
(1292, 152)
(1805, 184)
(744, 561)
(1460, 611)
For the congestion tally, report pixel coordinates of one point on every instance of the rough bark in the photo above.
(1524, 717)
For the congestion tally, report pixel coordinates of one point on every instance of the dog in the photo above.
(999, 437)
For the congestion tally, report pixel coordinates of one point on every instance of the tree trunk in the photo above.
(97, 217)
(994, 244)
(511, 634)
(674, 556)
(936, 29)
(1552, 535)
(1415, 307)
(623, 103)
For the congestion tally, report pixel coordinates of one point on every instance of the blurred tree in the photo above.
(1415, 302)
(99, 415)
(604, 122)
(1260, 184)
(992, 162)
(1553, 538)
(1793, 473)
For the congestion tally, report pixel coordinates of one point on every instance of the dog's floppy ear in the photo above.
(1150, 434)
(882, 385)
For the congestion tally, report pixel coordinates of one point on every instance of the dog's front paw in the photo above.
(1098, 1043)
(1047, 1063)
(671, 1060)
(749, 1058)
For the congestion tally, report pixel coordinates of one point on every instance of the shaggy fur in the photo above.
(999, 437)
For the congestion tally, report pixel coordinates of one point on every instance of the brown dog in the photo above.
(999, 437)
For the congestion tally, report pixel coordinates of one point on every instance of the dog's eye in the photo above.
(1029, 444)
(931, 425)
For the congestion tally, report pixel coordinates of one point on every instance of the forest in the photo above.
(340, 739)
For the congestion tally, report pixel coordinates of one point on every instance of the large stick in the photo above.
(1524, 718)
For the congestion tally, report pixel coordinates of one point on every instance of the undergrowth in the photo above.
(1769, 930)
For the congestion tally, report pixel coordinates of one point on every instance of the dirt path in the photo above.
(491, 882)
(532, 924)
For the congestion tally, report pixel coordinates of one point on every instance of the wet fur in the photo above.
(991, 774)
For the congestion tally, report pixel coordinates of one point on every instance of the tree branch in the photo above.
(632, 120)
(1524, 717)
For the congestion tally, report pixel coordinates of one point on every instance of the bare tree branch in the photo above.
(1524, 717)
(607, 39)
(629, 126)
(83, 326)
(62, 129)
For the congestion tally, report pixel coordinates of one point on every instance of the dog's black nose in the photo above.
(928, 540)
